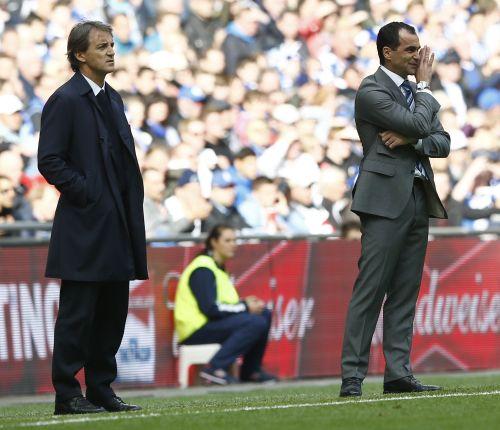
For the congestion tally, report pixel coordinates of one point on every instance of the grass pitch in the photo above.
(468, 402)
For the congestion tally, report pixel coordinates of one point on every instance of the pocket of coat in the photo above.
(382, 149)
(91, 189)
(379, 167)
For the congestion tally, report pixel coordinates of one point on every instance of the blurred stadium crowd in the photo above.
(242, 111)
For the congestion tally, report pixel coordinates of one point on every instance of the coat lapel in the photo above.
(93, 100)
(86, 91)
(123, 128)
(118, 116)
(387, 82)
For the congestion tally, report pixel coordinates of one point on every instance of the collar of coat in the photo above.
(83, 86)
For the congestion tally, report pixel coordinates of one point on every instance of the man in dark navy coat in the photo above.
(86, 151)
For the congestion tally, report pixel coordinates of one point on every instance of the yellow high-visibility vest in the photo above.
(187, 314)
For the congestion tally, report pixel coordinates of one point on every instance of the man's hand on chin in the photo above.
(392, 139)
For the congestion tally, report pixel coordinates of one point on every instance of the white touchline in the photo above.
(337, 403)
(349, 402)
(73, 419)
(65, 420)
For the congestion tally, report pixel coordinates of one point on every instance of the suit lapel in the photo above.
(118, 116)
(382, 78)
(86, 91)
(123, 128)
(101, 127)
(93, 100)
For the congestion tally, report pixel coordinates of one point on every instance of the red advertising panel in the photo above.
(332, 271)
(308, 285)
(457, 320)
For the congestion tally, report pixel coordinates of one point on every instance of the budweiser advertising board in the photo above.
(308, 285)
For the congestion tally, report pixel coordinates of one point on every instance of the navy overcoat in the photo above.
(95, 228)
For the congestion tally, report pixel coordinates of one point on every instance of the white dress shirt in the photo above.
(398, 80)
(96, 89)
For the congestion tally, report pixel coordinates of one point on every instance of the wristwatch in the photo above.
(423, 85)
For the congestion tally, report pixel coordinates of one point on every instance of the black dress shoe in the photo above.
(351, 387)
(261, 376)
(77, 405)
(115, 404)
(408, 384)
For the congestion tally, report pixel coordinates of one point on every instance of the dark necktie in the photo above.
(117, 149)
(405, 86)
(103, 102)
(410, 101)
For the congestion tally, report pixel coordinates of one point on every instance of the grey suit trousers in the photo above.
(391, 265)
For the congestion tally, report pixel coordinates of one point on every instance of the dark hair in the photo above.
(78, 40)
(158, 147)
(261, 180)
(388, 35)
(144, 69)
(348, 225)
(253, 95)
(214, 234)
(32, 17)
(149, 169)
(244, 153)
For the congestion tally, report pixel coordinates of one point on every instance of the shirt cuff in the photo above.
(419, 146)
(426, 90)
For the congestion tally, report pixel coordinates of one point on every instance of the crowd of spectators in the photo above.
(242, 110)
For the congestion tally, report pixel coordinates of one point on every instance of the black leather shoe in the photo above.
(77, 405)
(115, 404)
(408, 384)
(261, 377)
(351, 387)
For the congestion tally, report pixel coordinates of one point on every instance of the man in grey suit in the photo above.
(394, 196)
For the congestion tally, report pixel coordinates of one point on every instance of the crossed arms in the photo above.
(420, 128)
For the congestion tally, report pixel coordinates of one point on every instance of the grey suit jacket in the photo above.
(386, 176)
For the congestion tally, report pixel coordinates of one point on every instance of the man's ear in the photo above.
(387, 52)
(80, 56)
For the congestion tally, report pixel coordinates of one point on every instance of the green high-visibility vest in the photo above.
(187, 314)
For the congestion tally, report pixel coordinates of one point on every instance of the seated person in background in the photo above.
(350, 229)
(187, 208)
(306, 216)
(223, 195)
(157, 219)
(11, 167)
(472, 201)
(209, 310)
(43, 198)
(244, 172)
(333, 189)
(9, 212)
(262, 210)
(7, 197)
(478, 190)
(446, 193)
